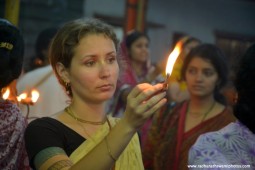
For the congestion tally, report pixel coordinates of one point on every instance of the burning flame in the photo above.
(22, 96)
(29, 99)
(35, 95)
(172, 58)
(6, 94)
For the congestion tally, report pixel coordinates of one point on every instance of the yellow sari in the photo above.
(130, 159)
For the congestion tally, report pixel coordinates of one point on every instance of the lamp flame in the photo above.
(22, 96)
(6, 94)
(29, 98)
(35, 95)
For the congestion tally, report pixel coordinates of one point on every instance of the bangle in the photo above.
(109, 150)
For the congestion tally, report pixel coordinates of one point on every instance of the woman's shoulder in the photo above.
(47, 128)
(220, 146)
(225, 138)
(216, 135)
(44, 122)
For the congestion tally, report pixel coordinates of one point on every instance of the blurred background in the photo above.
(230, 24)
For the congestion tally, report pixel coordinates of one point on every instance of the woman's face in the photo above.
(201, 77)
(94, 69)
(139, 50)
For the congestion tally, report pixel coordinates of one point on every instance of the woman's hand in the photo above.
(144, 100)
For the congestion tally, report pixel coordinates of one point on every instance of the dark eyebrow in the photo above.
(190, 66)
(92, 56)
(112, 52)
(89, 56)
(210, 69)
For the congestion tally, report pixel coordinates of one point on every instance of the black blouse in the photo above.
(48, 132)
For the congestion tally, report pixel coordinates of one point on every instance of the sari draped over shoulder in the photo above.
(130, 159)
(168, 144)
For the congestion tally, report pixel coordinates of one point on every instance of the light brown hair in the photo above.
(68, 38)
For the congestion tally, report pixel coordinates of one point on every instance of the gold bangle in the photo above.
(109, 150)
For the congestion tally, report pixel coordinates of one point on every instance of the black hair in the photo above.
(244, 109)
(217, 59)
(133, 36)
(11, 52)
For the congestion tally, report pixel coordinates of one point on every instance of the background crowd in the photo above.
(103, 98)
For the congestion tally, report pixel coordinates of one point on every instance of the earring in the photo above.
(67, 84)
(68, 88)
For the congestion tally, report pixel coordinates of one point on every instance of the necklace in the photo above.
(79, 121)
(206, 113)
(72, 114)
(85, 130)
